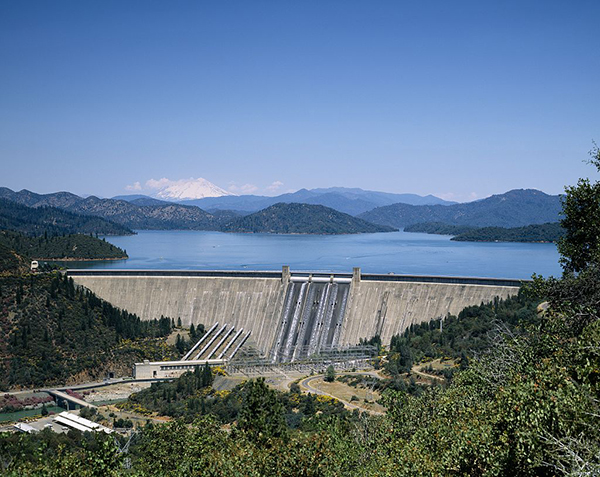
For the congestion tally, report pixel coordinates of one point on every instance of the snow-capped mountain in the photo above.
(188, 189)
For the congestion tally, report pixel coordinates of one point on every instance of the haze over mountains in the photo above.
(351, 201)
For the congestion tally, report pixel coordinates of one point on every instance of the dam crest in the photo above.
(291, 315)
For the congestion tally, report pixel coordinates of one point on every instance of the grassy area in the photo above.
(366, 398)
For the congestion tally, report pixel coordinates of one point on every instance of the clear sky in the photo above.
(454, 98)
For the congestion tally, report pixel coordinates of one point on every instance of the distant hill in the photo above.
(551, 232)
(54, 221)
(302, 219)
(438, 228)
(350, 201)
(140, 200)
(515, 208)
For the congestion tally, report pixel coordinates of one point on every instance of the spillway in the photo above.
(292, 315)
(313, 311)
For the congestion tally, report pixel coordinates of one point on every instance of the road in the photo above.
(417, 370)
(306, 384)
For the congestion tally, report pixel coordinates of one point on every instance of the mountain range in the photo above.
(163, 216)
(351, 201)
(515, 208)
(54, 221)
(280, 218)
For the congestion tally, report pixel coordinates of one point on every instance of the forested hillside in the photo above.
(302, 219)
(53, 221)
(11, 262)
(53, 331)
(515, 208)
(464, 336)
(551, 232)
(68, 247)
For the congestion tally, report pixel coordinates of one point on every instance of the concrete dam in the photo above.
(292, 315)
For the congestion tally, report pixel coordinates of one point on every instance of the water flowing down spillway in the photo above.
(311, 319)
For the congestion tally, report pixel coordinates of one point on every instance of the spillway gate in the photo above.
(311, 318)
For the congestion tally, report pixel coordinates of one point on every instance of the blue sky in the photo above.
(458, 99)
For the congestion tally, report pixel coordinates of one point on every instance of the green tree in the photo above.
(580, 246)
(262, 415)
(330, 374)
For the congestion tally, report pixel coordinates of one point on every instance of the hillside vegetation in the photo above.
(11, 262)
(464, 336)
(53, 221)
(550, 232)
(302, 219)
(68, 247)
(53, 332)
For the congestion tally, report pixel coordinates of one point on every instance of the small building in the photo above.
(81, 424)
(22, 427)
(170, 369)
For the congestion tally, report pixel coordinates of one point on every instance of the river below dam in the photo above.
(396, 252)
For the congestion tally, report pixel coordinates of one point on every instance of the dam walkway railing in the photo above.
(278, 275)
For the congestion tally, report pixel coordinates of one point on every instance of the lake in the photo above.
(396, 252)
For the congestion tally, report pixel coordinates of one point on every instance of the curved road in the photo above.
(306, 384)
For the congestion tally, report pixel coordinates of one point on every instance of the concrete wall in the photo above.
(249, 303)
(388, 308)
(378, 304)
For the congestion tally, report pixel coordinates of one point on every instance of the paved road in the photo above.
(306, 384)
(72, 399)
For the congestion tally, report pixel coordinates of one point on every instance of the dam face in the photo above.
(291, 316)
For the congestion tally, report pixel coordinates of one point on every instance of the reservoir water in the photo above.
(397, 252)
